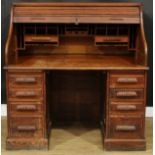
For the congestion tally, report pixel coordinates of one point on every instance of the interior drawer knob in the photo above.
(26, 128)
(125, 128)
(26, 94)
(26, 108)
(126, 94)
(127, 80)
(126, 107)
(25, 80)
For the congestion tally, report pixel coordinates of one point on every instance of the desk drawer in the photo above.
(26, 127)
(126, 107)
(126, 94)
(21, 80)
(25, 94)
(26, 108)
(126, 127)
(127, 81)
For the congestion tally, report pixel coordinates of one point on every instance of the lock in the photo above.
(76, 21)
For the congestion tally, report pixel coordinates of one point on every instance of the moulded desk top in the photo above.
(76, 62)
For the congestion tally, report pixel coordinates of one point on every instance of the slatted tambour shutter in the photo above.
(76, 14)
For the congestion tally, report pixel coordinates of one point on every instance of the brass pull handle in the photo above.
(26, 94)
(111, 39)
(125, 128)
(127, 80)
(116, 19)
(41, 39)
(26, 108)
(26, 128)
(25, 80)
(37, 18)
(126, 107)
(126, 94)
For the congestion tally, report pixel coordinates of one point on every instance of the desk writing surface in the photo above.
(77, 62)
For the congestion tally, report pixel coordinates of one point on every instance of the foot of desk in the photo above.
(120, 144)
(30, 143)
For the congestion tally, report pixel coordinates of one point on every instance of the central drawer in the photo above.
(26, 127)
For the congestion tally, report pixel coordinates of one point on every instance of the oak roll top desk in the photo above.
(76, 62)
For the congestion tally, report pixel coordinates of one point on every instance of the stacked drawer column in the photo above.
(126, 95)
(26, 110)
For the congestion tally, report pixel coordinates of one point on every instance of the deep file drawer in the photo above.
(26, 127)
(121, 127)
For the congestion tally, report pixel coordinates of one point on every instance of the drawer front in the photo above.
(26, 108)
(26, 127)
(126, 127)
(127, 81)
(122, 39)
(126, 107)
(126, 94)
(21, 80)
(25, 94)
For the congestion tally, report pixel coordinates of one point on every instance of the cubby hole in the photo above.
(72, 29)
(104, 34)
(116, 35)
(133, 36)
(29, 29)
(20, 38)
(111, 29)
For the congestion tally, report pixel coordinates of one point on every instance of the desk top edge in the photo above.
(75, 4)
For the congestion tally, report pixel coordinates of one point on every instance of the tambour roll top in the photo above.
(79, 13)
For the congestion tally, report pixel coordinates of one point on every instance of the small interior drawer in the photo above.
(127, 80)
(26, 127)
(25, 94)
(107, 39)
(126, 94)
(50, 39)
(26, 108)
(21, 80)
(126, 127)
(126, 107)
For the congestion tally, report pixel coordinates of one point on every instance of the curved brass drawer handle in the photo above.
(26, 108)
(26, 128)
(127, 80)
(126, 94)
(25, 94)
(126, 107)
(125, 128)
(25, 80)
